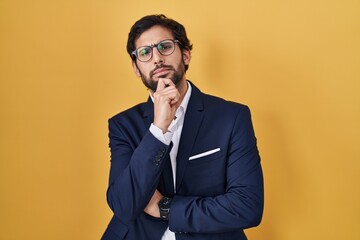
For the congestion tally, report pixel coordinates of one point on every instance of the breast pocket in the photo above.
(206, 173)
(210, 154)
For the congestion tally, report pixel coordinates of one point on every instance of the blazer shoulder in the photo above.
(130, 113)
(217, 103)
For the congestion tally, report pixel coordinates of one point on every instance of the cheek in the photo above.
(179, 61)
(142, 71)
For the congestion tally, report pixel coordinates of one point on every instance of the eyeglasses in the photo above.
(165, 48)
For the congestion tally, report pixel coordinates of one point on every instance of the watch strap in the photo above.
(164, 207)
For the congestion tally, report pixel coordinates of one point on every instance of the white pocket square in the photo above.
(204, 154)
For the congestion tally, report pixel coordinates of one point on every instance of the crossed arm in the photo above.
(134, 178)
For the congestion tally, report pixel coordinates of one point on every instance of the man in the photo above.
(184, 165)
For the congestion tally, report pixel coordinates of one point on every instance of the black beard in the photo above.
(175, 76)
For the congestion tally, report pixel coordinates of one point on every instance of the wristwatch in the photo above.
(164, 207)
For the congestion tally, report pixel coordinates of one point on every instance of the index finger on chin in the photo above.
(161, 84)
(168, 82)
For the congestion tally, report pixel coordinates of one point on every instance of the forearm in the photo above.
(239, 208)
(132, 187)
(240, 205)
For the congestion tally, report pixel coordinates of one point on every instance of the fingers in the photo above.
(167, 91)
(163, 83)
(169, 95)
(166, 98)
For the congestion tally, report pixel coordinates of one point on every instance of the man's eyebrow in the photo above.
(153, 44)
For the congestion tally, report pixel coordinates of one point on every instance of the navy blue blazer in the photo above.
(217, 195)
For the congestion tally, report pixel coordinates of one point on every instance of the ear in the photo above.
(136, 69)
(186, 56)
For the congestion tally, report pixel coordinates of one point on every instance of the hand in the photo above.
(152, 207)
(166, 98)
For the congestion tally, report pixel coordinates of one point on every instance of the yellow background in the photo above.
(64, 71)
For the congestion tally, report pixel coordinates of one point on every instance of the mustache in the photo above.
(161, 66)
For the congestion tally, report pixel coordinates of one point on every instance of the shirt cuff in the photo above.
(162, 137)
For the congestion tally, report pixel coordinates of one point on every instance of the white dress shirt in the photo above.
(173, 135)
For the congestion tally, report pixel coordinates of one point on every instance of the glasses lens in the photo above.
(166, 47)
(144, 53)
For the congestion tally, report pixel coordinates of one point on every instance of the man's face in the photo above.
(159, 66)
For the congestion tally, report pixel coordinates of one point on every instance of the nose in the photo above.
(157, 57)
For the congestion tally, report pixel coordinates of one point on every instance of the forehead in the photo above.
(153, 35)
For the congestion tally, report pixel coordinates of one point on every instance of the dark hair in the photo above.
(145, 23)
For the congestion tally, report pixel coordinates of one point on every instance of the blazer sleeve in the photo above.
(135, 170)
(241, 206)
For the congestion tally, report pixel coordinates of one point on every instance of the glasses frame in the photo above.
(152, 46)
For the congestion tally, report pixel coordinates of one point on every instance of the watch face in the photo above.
(165, 203)
(164, 207)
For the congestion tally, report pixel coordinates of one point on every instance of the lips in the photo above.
(161, 70)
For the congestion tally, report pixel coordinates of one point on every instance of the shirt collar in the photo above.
(185, 101)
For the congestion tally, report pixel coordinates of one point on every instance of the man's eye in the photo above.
(164, 46)
(144, 51)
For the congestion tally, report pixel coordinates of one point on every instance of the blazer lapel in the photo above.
(192, 122)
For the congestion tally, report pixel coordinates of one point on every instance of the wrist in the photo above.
(163, 127)
(164, 207)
